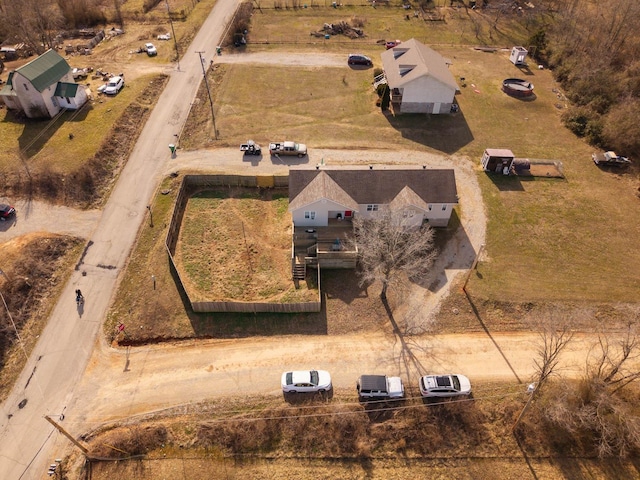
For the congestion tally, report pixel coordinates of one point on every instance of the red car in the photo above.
(6, 212)
(392, 43)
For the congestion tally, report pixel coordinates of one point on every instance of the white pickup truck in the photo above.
(288, 148)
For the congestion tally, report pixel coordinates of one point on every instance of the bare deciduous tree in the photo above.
(389, 246)
(598, 405)
(555, 335)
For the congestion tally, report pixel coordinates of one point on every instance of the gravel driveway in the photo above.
(37, 216)
(285, 58)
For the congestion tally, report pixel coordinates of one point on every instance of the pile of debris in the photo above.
(84, 47)
(341, 28)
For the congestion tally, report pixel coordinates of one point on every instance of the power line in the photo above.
(206, 82)
(328, 414)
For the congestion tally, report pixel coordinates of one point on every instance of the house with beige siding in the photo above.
(419, 79)
(323, 201)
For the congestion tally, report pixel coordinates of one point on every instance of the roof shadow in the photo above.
(447, 133)
(507, 183)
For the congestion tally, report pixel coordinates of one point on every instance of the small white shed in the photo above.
(498, 160)
(518, 55)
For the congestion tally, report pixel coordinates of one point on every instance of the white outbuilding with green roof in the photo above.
(42, 87)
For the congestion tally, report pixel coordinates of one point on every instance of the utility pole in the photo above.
(204, 74)
(67, 434)
(173, 32)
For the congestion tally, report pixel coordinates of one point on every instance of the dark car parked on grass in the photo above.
(357, 59)
(6, 212)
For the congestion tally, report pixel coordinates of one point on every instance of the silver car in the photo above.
(432, 386)
(306, 381)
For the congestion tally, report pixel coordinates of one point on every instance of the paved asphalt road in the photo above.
(49, 379)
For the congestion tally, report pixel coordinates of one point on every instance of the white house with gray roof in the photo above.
(319, 195)
(419, 79)
(43, 87)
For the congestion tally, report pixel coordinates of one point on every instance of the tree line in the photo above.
(594, 52)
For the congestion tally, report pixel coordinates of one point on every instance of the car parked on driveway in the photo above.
(379, 387)
(358, 59)
(6, 212)
(306, 381)
(439, 386)
(114, 85)
(288, 148)
(151, 49)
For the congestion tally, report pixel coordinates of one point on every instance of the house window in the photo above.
(407, 214)
(372, 208)
(444, 207)
(310, 215)
(25, 86)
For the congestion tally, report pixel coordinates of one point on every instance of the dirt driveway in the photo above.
(285, 58)
(38, 216)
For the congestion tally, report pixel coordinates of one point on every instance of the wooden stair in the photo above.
(299, 271)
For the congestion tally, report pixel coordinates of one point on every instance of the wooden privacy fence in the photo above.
(191, 183)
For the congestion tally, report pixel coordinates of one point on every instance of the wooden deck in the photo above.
(328, 246)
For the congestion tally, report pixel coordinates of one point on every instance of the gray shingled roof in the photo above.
(406, 198)
(322, 186)
(410, 60)
(378, 185)
(44, 71)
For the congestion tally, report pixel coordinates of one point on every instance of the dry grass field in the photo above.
(564, 240)
(236, 245)
(264, 438)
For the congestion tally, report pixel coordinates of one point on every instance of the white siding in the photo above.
(425, 93)
(321, 209)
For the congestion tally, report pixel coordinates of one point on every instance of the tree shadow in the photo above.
(407, 360)
(476, 312)
(526, 457)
